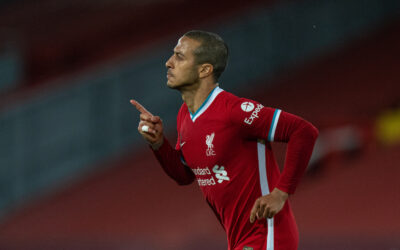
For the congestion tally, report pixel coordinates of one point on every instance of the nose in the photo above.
(168, 63)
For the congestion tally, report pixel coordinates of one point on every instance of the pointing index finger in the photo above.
(140, 108)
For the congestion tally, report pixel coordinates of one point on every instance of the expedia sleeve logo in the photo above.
(254, 114)
(247, 106)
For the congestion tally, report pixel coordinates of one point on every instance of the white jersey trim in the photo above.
(183, 161)
(262, 170)
(274, 123)
(211, 97)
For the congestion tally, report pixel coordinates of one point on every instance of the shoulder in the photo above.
(228, 99)
(239, 104)
(245, 111)
(233, 100)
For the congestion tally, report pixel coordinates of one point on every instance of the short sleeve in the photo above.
(254, 120)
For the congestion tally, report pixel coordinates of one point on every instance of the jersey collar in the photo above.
(210, 98)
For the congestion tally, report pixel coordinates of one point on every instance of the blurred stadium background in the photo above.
(75, 174)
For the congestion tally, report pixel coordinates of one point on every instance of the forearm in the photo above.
(170, 161)
(300, 136)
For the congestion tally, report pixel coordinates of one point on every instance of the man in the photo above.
(224, 143)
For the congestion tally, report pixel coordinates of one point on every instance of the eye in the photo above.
(178, 56)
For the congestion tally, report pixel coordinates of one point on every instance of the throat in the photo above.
(189, 99)
(191, 107)
(197, 100)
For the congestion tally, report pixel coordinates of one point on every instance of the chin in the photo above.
(170, 85)
(178, 86)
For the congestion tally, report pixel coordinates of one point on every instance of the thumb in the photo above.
(155, 119)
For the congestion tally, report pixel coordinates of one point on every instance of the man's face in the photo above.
(182, 69)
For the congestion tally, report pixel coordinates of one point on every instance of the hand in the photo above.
(268, 205)
(153, 130)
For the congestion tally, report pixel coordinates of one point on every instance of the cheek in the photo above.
(194, 74)
(186, 72)
(191, 71)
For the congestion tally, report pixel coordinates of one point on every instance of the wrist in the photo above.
(155, 146)
(282, 194)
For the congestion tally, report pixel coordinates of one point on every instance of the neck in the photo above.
(195, 95)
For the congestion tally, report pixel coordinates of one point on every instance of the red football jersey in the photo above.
(226, 144)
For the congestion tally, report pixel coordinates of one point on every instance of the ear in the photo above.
(205, 70)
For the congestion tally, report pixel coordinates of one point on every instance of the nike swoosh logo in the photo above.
(183, 143)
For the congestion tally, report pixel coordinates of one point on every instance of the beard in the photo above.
(180, 86)
(188, 82)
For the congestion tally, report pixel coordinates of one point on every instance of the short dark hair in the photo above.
(212, 49)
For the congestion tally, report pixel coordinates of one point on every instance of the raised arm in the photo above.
(151, 128)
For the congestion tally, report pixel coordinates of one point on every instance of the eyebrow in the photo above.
(178, 53)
